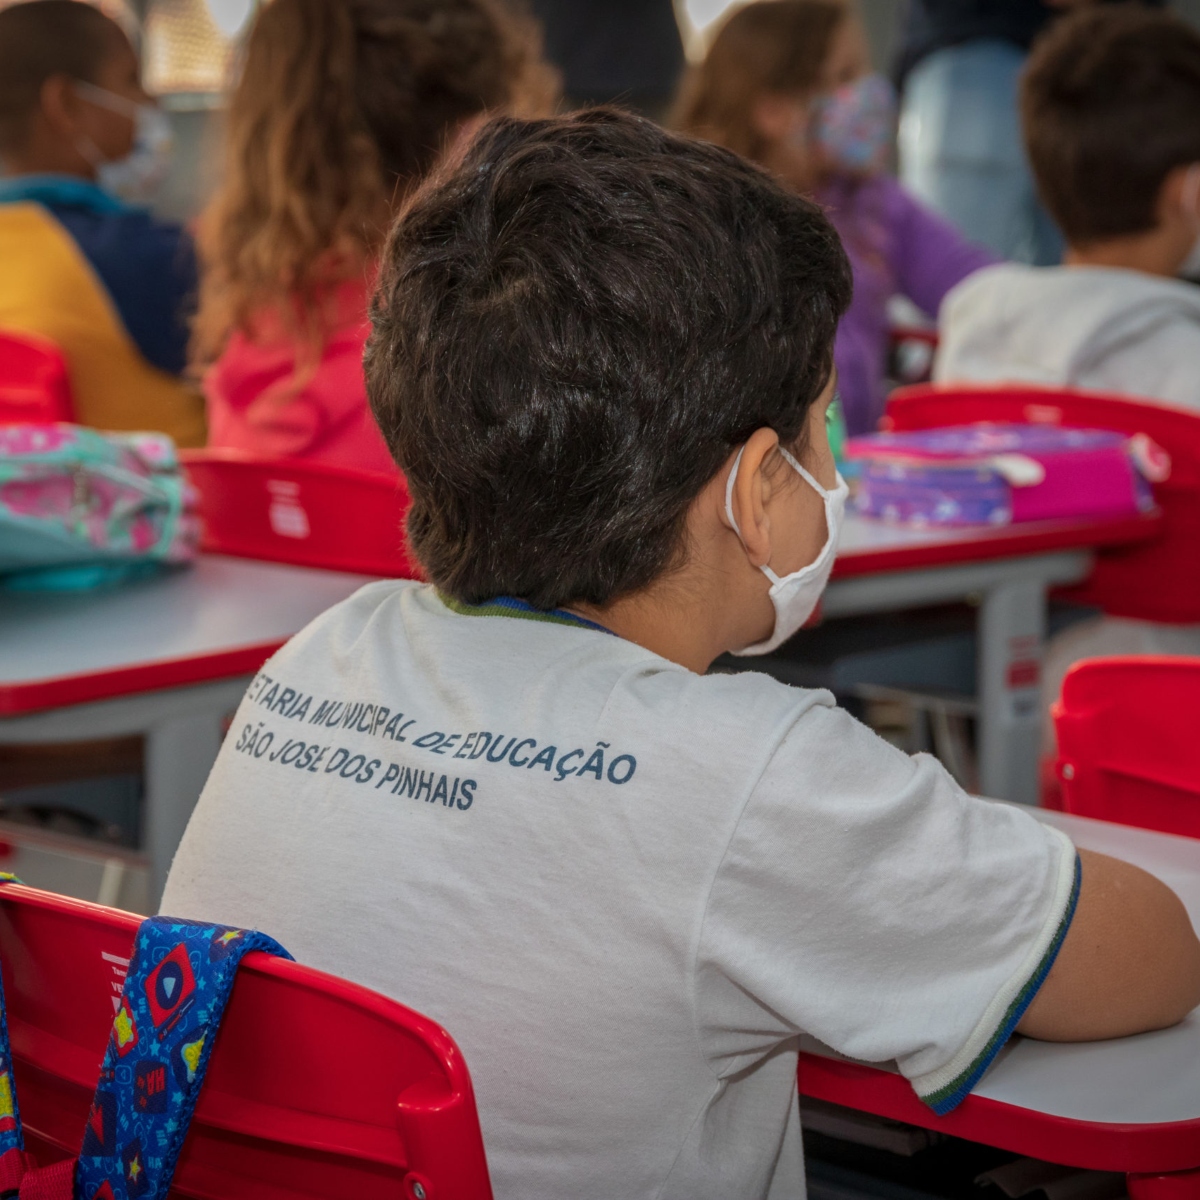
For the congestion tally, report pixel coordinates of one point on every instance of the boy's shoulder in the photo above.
(536, 708)
(1017, 285)
(1060, 326)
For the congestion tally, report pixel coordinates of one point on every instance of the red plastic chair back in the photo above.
(34, 385)
(305, 513)
(1127, 744)
(1157, 580)
(316, 1086)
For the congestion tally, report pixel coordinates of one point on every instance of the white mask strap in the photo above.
(106, 99)
(823, 492)
(737, 462)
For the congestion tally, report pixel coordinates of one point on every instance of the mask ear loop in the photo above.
(790, 459)
(737, 462)
(106, 99)
(823, 492)
(103, 98)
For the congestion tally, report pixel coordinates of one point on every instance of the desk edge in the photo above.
(1010, 542)
(1151, 1148)
(63, 691)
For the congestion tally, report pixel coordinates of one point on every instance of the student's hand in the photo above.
(1130, 961)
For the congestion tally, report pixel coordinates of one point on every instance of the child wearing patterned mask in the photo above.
(82, 146)
(788, 84)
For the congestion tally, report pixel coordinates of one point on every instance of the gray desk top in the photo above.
(217, 605)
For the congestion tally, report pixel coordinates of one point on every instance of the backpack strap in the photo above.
(179, 982)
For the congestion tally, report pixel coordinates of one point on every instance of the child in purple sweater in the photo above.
(787, 83)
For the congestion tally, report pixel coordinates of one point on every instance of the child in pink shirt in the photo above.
(341, 110)
(262, 400)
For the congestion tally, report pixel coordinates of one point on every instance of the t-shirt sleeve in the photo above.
(866, 900)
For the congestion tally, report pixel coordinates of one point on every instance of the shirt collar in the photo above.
(69, 191)
(510, 606)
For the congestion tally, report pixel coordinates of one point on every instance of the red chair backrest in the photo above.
(1157, 580)
(316, 1086)
(1127, 744)
(34, 384)
(305, 513)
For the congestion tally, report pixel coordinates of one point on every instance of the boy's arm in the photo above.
(1130, 961)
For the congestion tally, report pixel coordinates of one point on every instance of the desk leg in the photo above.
(1012, 629)
(1179, 1185)
(180, 753)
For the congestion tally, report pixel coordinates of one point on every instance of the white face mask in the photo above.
(795, 596)
(138, 175)
(1190, 267)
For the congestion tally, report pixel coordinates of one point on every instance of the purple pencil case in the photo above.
(993, 474)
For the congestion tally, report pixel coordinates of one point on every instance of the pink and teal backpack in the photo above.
(80, 508)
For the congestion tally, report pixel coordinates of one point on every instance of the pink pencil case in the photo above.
(993, 474)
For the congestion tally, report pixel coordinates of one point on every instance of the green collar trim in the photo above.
(508, 606)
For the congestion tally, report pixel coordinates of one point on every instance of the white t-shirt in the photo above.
(624, 888)
(1105, 329)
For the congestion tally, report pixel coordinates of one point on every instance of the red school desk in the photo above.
(1132, 1104)
(884, 568)
(168, 658)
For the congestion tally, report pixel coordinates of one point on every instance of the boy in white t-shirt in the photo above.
(1111, 109)
(512, 798)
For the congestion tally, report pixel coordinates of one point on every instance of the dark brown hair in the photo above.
(772, 46)
(341, 107)
(573, 329)
(43, 38)
(1110, 103)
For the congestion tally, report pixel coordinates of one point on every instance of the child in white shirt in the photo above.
(512, 798)
(1111, 110)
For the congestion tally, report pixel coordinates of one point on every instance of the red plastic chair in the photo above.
(305, 513)
(34, 384)
(316, 1088)
(1157, 580)
(1127, 744)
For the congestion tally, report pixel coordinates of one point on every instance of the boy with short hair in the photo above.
(512, 799)
(1111, 113)
(107, 283)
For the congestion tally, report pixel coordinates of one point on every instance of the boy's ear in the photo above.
(750, 494)
(59, 104)
(1179, 195)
